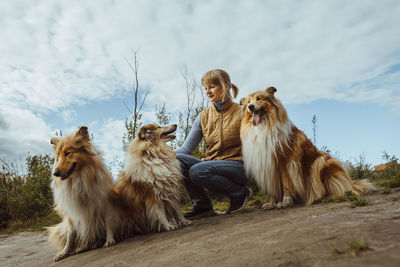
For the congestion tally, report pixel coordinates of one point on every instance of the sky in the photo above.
(64, 64)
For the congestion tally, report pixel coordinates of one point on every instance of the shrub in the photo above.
(360, 170)
(29, 197)
(390, 176)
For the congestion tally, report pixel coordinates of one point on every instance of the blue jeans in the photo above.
(226, 177)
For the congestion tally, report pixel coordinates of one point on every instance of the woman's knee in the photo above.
(198, 174)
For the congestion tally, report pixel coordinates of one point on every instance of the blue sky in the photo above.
(63, 64)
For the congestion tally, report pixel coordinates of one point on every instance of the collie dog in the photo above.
(283, 161)
(83, 192)
(149, 185)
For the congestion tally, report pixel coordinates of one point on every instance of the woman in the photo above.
(222, 170)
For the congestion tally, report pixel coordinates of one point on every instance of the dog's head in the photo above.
(71, 153)
(154, 133)
(262, 106)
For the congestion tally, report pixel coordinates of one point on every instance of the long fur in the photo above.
(82, 188)
(283, 161)
(148, 187)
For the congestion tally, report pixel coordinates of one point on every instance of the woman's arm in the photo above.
(193, 138)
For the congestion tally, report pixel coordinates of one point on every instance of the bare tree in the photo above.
(186, 117)
(192, 109)
(162, 115)
(314, 122)
(133, 122)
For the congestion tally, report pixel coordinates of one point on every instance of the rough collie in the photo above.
(83, 189)
(283, 161)
(149, 185)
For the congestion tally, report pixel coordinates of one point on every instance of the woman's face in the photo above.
(213, 92)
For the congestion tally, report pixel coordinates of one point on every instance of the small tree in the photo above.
(192, 109)
(162, 114)
(133, 122)
(30, 197)
(314, 122)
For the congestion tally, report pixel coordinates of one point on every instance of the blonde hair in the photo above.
(220, 78)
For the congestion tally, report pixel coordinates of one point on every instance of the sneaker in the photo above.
(240, 203)
(199, 213)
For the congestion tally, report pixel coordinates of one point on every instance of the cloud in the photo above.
(108, 138)
(309, 50)
(25, 132)
(60, 54)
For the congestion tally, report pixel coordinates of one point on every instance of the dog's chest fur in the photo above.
(259, 149)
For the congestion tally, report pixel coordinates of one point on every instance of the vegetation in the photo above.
(26, 200)
(388, 177)
(356, 201)
(356, 246)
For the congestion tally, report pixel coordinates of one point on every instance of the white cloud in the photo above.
(59, 54)
(108, 138)
(22, 131)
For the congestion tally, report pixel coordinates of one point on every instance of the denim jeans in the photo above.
(226, 177)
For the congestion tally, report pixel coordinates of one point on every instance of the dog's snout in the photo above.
(251, 107)
(57, 173)
(174, 125)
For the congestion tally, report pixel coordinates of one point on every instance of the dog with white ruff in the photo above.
(148, 187)
(283, 161)
(82, 188)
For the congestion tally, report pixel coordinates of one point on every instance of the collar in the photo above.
(222, 105)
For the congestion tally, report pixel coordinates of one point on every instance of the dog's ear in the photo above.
(271, 90)
(144, 134)
(83, 132)
(242, 101)
(54, 141)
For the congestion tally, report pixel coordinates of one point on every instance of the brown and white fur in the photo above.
(149, 184)
(283, 161)
(82, 188)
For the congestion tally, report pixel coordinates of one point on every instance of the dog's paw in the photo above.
(60, 256)
(287, 201)
(170, 227)
(186, 222)
(79, 250)
(268, 206)
(109, 243)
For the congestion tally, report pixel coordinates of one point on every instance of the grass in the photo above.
(393, 199)
(336, 250)
(385, 191)
(356, 201)
(256, 201)
(32, 225)
(356, 246)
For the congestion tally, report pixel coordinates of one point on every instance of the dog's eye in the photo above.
(66, 153)
(258, 98)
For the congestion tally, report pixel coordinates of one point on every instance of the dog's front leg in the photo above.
(182, 220)
(288, 190)
(109, 230)
(68, 244)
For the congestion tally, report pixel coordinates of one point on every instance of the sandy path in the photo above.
(301, 236)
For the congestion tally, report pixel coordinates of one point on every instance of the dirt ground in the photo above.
(300, 236)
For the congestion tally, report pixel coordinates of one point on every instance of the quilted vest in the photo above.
(221, 131)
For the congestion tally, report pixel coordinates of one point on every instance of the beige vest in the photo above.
(221, 131)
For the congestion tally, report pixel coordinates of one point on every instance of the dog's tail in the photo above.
(337, 181)
(363, 186)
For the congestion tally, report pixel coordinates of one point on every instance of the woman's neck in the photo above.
(218, 105)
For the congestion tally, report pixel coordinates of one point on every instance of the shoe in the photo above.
(240, 203)
(199, 213)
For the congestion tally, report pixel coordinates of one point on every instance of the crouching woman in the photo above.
(222, 171)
